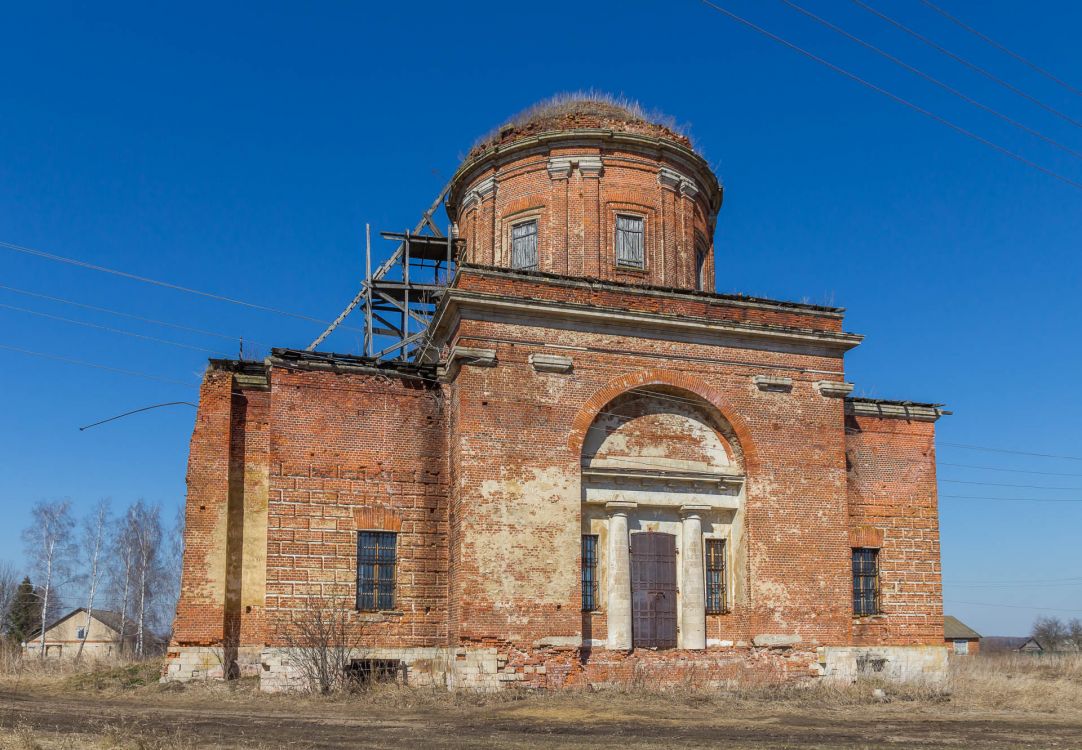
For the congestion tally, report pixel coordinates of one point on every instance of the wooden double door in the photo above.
(653, 590)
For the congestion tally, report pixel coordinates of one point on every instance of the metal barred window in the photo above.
(375, 570)
(524, 246)
(589, 572)
(865, 582)
(629, 241)
(716, 599)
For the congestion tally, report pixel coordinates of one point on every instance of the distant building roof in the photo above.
(955, 629)
(106, 617)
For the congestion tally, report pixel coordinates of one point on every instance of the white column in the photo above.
(692, 579)
(618, 588)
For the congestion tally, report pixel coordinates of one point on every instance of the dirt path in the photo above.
(593, 721)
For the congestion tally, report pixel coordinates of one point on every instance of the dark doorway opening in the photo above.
(653, 590)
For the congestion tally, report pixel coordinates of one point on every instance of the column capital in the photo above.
(559, 167)
(619, 506)
(693, 510)
(590, 166)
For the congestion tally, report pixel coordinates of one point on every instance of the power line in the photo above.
(972, 66)
(1013, 606)
(1002, 484)
(96, 366)
(110, 330)
(127, 315)
(946, 87)
(1016, 499)
(1012, 471)
(137, 411)
(1003, 48)
(879, 89)
(968, 446)
(156, 282)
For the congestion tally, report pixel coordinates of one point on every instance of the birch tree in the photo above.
(9, 587)
(122, 573)
(49, 547)
(93, 542)
(146, 530)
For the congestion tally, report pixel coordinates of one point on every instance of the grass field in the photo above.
(988, 702)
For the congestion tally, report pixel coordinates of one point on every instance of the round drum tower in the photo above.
(591, 189)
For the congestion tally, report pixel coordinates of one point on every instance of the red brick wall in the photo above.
(892, 498)
(227, 458)
(576, 215)
(512, 432)
(353, 451)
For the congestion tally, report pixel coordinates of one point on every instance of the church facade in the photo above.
(597, 470)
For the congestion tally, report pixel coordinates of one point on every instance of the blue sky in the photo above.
(240, 150)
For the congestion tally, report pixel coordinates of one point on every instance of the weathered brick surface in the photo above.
(479, 470)
(893, 505)
(348, 452)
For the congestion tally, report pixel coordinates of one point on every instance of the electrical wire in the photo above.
(111, 330)
(1003, 48)
(972, 66)
(137, 411)
(96, 366)
(879, 89)
(1012, 606)
(165, 284)
(1011, 471)
(945, 86)
(968, 446)
(1016, 486)
(110, 311)
(1016, 499)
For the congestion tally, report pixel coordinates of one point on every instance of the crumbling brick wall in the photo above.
(893, 506)
(350, 451)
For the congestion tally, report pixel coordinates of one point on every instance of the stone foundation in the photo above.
(488, 669)
(894, 663)
(198, 663)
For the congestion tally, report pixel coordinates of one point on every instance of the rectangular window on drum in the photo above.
(524, 246)
(375, 570)
(629, 242)
(716, 594)
(589, 572)
(865, 582)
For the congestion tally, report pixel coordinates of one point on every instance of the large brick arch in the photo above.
(586, 415)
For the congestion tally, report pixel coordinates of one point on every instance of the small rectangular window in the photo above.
(865, 582)
(524, 246)
(629, 241)
(589, 572)
(80, 633)
(716, 594)
(961, 647)
(375, 570)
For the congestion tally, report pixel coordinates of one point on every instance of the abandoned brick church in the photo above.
(595, 470)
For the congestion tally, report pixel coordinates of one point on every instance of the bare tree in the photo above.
(321, 644)
(146, 529)
(1050, 632)
(172, 565)
(93, 542)
(9, 586)
(1074, 632)
(49, 547)
(122, 573)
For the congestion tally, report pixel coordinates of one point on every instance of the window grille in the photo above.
(629, 241)
(716, 590)
(589, 572)
(865, 582)
(524, 246)
(700, 266)
(375, 570)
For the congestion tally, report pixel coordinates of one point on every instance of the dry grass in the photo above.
(1046, 691)
(589, 102)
